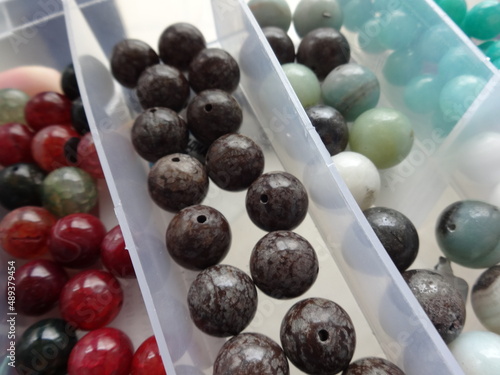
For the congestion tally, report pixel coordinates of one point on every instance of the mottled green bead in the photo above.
(69, 190)
(356, 13)
(482, 21)
(401, 66)
(383, 135)
(400, 29)
(313, 14)
(367, 36)
(421, 94)
(12, 103)
(271, 13)
(455, 9)
(304, 82)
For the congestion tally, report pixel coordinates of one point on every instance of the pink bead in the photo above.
(15, 144)
(47, 108)
(147, 359)
(114, 255)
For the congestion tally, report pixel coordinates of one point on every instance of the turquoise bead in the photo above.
(483, 20)
(477, 352)
(455, 9)
(304, 82)
(458, 94)
(456, 61)
(367, 36)
(421, 94)
(12, 103)
(400, 29)
(496, 62)
(485, 45)
(271, 13)
(356, 13)
(493, 50)
(313, 14)
(401, 66)
(383, 135)
(351, 89)
(439, 121)
(434, 42)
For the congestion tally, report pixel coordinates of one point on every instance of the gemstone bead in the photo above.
(367, 36)
(105, 351)
(15, 144)
(434, 43)
(21, 185)
(12, 103)
(401, 66)
(383, 135)
(372, 366)
(477, 352)
(421, 94)
(24, 232)
(304, 83)
(356, 13)
(399, 31)
(44, 348)
(493, 50)
(484, 298)
(69, 83)
(455, 9)
(271, 13)
(281, 44)
(79, 119)
(351, 89)
(310, 15)
(331, 127)
(147, 359)
(482, 21)
(91, 299)
(455, 62)
(87, 157)
(47, 108)
(114, 254)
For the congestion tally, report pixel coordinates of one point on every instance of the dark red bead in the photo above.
(87, 157)
(147, 360)
(114, 255)
(47, 108)
(15, 144)
(38, 286)
(105, 351)
(91, 299)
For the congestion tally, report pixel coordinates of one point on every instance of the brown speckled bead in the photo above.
(277, 201)
(234, 162)
(176, 181)
(222, 300)
(251, 354)
(441, 301)
(283, 264)
(372, 366)
(198, 237)
(318, 336)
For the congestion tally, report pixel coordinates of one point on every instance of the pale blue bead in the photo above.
(304, 83)
(477, 352)
(421, 94)
(367, 36)
(400, 29)
(401, 66)
(356, 13)
(435, 41)
(313, 14)
(439, 121)
(457, 61)
(271, 13)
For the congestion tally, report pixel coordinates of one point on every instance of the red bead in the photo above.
(91, 299)
(24, 232)
(105, 351)
(47, 108)
(38, 286)
(147, 360)
(15, 144)
(87, 157)
(75, 240)
(114, 255)
(48, 144)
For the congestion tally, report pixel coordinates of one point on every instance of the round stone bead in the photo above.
(317, 336)
(176, 181)
(434, 43)
(383, 135)
(69, 190)
(79, 119)
(38, 286)
(458, 94)
(421, 94)
(158, 132)
(331, 127)
(129, 59)
(47, 108)
(372, 366)
(87, 157)
(455, 62)
(399, 31)
(147, 359)
(441, 301)
(222, 300)
(15, 144)
(304, 83)
(24, 232)
(322, 50)
(114, 254)
(283, 264)
(492, 50)
(214, 68)
(360, 175)
(44, 348)
(482, 21)
(397, 234)
(484, 298)
(91, 299)
(179, 43)
(271, 13)
(281, 44)
(277, 201)
(313, 14)
(234, 162)
(198, 237)
(455, 9)
(367, 36)
(162, 85)
(69, 83)
(477, 352)
(12, 103)
(356, 13)
(21, 185)
(351, 89)
(104, 351)
(468, 233)
(401, 66)
(251, 354)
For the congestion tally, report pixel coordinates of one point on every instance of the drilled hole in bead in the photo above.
(176, 159)
(452, 227)
(201, 219)
(152, 110)
(208, 107)
(264, 198)
(323, 335)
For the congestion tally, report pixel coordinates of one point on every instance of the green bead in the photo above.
(485, 45)
(434, 42)
(401, 66)
(304, 82)
(399, 30)
(493, 50)
(12, 103)
(496, 62)
(367, 36)
(356, 13)
(483, 20)
(455, 9)
(313, 14)
(69, 190)
(271, 13)
(421, 94)
(383, 135)
(351, 89)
